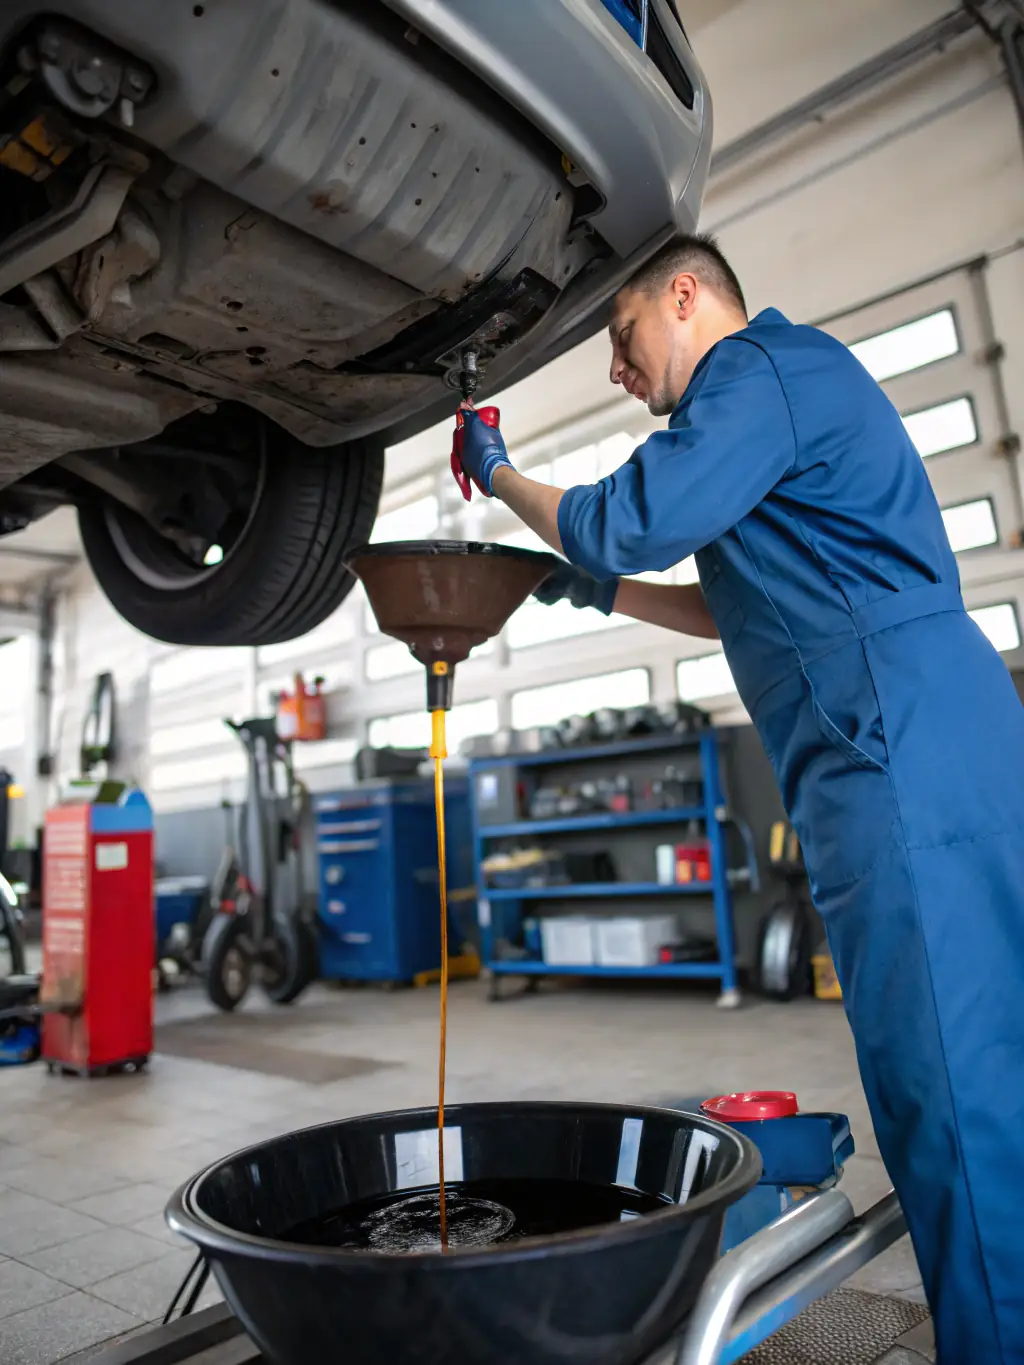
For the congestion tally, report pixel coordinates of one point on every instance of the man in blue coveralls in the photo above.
(891, 723)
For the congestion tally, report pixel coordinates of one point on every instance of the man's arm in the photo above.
(675, 606)
(534, 503)
(680, 607)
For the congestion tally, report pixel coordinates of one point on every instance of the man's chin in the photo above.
(660, 406)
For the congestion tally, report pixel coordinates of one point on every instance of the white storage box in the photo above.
(568, 941)
(634, 940)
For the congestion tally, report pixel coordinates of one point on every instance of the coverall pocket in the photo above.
(846, 746)
(838, 797)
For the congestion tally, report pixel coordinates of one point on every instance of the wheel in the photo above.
(291, 963)
(784, 952)
(261, 531)
(226, 961)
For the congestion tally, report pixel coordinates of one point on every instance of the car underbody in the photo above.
(289, 250)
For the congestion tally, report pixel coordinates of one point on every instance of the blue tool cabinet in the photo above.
(377, 849)
(510, 779)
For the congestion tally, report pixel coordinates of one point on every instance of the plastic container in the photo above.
(826, 983)
(693, 857)
(568, 941)
(634, 940)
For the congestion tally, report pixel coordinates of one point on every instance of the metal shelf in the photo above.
(503, 918)
(581, 889)
(705, 970)
(598, 820)
(624, 748)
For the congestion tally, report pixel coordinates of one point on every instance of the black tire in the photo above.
(784, 952)
(227, 966)
(285, 573)
(293, 963)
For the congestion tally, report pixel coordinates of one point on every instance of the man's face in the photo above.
(653, 347)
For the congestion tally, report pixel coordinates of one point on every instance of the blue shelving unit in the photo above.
(500, 908)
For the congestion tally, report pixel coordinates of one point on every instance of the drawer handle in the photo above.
(355, 938)
(351, 827)
(334, 875)
(336, 907)
(349, 845)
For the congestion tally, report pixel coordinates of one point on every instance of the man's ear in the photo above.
(684, 295)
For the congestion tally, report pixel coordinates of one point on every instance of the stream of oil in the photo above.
(472, 1213)
(440, 753)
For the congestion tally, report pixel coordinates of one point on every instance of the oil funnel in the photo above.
(444, 597)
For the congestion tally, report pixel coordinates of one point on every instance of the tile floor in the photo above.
(86, 1166)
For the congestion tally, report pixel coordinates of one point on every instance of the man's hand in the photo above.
(483, 451)
(569, 583)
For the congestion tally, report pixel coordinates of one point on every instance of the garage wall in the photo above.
(840, 224)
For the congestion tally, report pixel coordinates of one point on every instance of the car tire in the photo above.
(284, 575)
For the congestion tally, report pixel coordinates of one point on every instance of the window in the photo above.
(708, 675)
(947, 426)
(183, 739)
(415, 521)
(12, 732)
(909, 346)
(548, 705)
(536, 624)
(188, 666)
(1000, 624)
(322, 752)
(970, 524)
(686, 572)
(338, 629)
(199, 772)
(411, 729)
(16, 658)
(390, 661)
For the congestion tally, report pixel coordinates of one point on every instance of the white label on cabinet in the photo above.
(111, 857)
(483, 913)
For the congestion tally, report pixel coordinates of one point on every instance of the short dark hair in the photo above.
(699, 254)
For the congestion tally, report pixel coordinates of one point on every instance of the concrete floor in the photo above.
(86, 1166)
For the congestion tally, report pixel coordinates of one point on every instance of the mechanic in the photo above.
(892, 725)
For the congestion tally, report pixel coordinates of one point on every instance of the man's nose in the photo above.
(616, 369)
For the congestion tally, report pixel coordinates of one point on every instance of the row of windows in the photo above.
(697, 679)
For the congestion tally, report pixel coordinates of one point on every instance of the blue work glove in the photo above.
(483, 450)
(579, 588)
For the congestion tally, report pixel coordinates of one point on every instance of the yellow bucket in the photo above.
(826, 983)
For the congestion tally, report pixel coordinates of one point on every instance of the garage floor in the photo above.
(86, 1166)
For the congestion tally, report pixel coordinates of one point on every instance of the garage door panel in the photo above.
(947, 393)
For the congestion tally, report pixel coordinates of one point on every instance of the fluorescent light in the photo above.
(909, 346)
(947, 426)
(999, 622)
(970, 525)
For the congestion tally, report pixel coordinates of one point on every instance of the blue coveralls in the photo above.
(897, 739)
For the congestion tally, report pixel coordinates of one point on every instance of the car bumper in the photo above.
(569, 68)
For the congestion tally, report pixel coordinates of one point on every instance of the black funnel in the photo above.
(609, 1294)
(445, 597)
